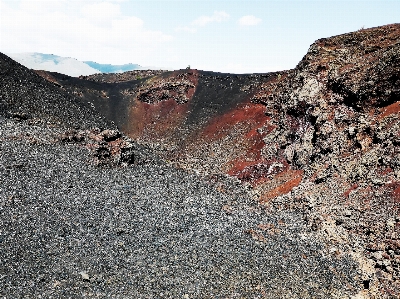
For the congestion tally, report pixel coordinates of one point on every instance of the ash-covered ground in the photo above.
(85, 212)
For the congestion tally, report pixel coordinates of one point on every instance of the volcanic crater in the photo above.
(198, 184)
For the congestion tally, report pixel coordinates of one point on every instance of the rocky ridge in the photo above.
(122, 77)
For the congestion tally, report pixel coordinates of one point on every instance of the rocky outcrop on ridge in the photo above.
(122, 77)
(336, 119)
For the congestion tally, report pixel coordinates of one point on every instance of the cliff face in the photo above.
(322, 138)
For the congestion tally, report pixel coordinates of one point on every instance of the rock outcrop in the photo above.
(336, 119)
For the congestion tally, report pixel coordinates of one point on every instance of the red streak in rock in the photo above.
(396, 194)
(388, 110)
(290, 178)
(348, 191)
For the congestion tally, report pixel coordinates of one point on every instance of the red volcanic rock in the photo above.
(347, 193)
(389, 110)
(281, 184)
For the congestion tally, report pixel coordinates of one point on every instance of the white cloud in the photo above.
(101, 12)
(218, 16)
(249, 21)
(41, 6)
(86, 30)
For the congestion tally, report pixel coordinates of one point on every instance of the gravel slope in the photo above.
(69, 229)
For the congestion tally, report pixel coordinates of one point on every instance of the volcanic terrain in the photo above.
(194, 184)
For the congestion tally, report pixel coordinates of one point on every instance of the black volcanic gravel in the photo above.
(69, 229)
(26, 95)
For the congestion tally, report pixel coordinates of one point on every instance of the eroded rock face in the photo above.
(180, 89)
(336, 118)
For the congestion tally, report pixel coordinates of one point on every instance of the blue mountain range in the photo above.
(68, 66)
(110, 68)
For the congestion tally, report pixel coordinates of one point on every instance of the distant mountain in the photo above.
(109, 68)
(68, 66)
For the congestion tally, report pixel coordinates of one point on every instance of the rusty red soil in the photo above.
(258, 172)
(250, 166)
(384, 171)
(155, 121)
(348, 191)
(281, 184)
(394, 190)
(253, 115)
(389, 110)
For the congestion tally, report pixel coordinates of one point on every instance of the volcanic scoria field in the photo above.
(195, 184)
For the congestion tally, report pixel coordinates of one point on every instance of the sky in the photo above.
(246, 36)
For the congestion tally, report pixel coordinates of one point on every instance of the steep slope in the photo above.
(25, 95)
(321, 139)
